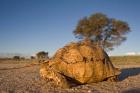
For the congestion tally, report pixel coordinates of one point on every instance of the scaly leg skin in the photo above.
(61, 81)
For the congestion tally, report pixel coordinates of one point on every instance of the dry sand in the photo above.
(27, 80)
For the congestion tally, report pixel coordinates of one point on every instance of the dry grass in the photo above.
(125, 59)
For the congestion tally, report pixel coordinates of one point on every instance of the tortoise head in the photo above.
(46, 71)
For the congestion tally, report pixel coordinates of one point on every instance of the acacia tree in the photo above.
(102, 30)
(42, 55)
(16, 57)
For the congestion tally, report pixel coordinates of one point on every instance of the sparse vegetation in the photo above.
(125, 59)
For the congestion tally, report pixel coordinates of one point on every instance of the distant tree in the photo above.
(32, 57)
(102, 30)
(16, 57)
(42, 55)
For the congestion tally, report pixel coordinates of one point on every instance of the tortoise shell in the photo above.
(83, 63)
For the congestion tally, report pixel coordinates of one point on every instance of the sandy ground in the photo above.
(27, 80)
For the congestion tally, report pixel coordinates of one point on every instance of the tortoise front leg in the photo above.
(61, 81)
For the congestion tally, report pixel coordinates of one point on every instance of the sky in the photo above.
(30, 26)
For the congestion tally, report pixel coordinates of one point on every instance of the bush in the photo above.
(16, 57)
(42, 55)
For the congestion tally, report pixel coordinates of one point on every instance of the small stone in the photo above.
(89, 91)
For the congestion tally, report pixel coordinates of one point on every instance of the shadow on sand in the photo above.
(126, 72)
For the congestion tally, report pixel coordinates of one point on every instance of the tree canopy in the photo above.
(102, 30)
(42, 55)
(16, 57)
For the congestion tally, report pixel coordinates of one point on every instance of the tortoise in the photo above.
(81, 63)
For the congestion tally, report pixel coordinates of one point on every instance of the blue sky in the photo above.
(29, 26)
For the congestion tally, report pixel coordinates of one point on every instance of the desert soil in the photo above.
(27, 80)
